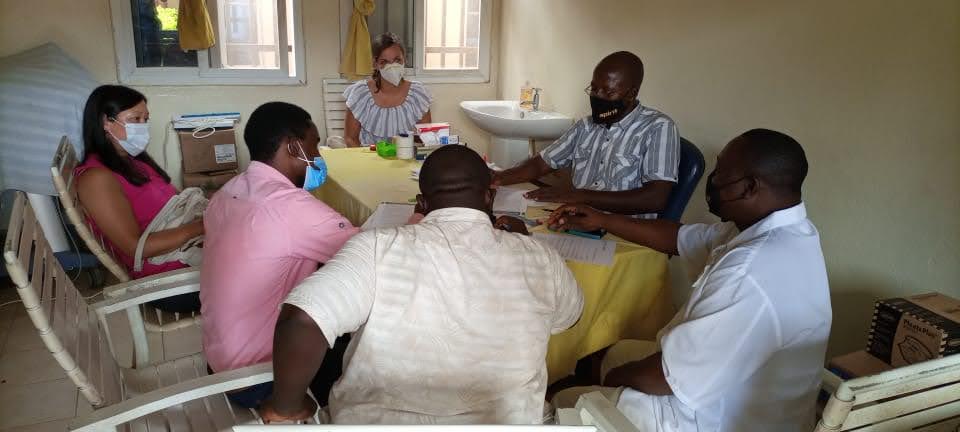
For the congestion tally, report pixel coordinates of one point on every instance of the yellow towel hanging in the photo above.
(357, 55)
(193, 24)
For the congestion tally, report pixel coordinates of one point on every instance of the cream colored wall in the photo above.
(84, 30)
(871, 90)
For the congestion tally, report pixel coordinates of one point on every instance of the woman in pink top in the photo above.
(122, 189)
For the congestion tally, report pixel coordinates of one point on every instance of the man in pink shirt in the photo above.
(264, 234)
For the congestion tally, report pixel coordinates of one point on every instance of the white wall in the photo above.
(83, 29)
(870, 89)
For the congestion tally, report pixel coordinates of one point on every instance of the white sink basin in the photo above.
(504, 119)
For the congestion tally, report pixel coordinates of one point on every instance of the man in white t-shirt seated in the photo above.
(450, 317)
(746, 351)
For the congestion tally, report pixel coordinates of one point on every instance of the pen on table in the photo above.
(583, 234)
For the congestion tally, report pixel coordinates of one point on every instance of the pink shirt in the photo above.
(146, 201)
(263, 236)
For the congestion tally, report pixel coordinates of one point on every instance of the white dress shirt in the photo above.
(746, 351)
(451, 320)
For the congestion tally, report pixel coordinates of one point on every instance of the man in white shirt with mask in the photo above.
(450, 317)
(746, 351)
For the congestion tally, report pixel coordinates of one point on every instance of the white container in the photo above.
(405, 149)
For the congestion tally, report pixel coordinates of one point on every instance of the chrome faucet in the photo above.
(536, 99)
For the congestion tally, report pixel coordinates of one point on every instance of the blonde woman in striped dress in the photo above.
(385, 104)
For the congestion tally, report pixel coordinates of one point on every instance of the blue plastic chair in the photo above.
(690, 170)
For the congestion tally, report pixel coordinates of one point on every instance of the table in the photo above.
(631, 299)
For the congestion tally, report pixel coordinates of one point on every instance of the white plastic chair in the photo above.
(414, 428)
(145, 317)
(334, 106)
(920, 397)
(176, 395)
(596, 410)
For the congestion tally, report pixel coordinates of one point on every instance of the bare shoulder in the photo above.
(95, 182)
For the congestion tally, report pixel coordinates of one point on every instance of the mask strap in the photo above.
(115, 120)
(302, 153)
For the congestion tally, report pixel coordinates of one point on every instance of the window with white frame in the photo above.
(256, 42)
(445, 40)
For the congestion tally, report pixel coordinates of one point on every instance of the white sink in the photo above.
(514, 131)
(504, 119)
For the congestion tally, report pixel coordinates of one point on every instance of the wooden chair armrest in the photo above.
(185, 275)
(108, 418)
(139, 295)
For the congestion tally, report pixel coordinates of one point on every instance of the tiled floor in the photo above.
(35, 394)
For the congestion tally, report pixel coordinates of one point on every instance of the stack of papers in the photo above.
(580, 249)
(510, 200)
(388, 215)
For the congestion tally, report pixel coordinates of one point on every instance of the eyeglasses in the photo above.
(602, 93)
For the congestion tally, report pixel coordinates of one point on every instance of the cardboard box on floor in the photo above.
(857, 364)
(215, 152)
(209, 182)
(913, 329)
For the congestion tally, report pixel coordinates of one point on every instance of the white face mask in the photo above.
(138, 136)
(393, 73)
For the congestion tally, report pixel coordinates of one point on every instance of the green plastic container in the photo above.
(386, 150)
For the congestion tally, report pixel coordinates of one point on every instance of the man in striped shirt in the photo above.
(624, 156)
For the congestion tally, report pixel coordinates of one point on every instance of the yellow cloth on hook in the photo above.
(357, 58)
(193, 24)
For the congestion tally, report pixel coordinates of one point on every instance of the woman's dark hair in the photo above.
(379, 44)
(106, 102)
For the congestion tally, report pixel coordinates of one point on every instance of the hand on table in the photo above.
(577, 217)
(269, 414)
(557, 194)
(511, 224)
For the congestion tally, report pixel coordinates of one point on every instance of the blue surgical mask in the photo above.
(316, 171)
(316, 174)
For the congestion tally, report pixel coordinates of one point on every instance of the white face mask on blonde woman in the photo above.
(393, 73)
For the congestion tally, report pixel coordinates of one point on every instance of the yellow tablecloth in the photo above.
(631, 299)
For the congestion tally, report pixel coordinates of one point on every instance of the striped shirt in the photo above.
(378, 123)
(642, 147)
(451, 320)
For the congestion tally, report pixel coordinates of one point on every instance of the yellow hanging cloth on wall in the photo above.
(357, 58)
(193, 24)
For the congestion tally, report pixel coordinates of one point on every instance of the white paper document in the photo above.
(510, 200)
(388, 215)
(580, 249)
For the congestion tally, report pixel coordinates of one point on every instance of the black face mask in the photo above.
(606, 111)
(714, 201)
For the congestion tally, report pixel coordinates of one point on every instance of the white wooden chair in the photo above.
(596, 410)
(416, 428)
(144, 318)
(176, 395)
(334, 106)
(923, 397)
